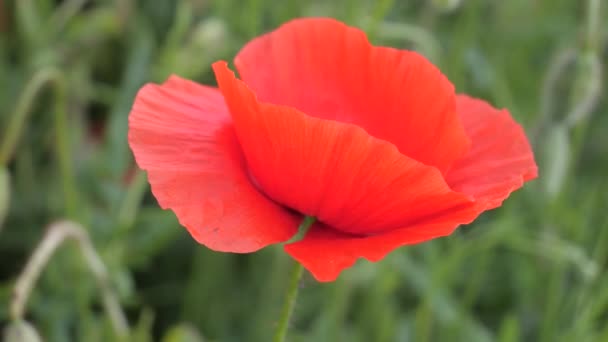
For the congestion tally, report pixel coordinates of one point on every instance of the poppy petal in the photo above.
(329, 70)
(334, 171)
(181, 134)
(325, 252)
(500, 159)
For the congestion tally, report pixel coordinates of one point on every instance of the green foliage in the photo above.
(532, 270)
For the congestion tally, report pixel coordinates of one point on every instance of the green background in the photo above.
(532, 270)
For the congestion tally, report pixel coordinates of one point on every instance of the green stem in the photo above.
(292, 290)
(593, 29)
(55, 236)
(62, 145)
(16, 128)
(290, 302)
(131, 202)
(19, 118)
(65, 11)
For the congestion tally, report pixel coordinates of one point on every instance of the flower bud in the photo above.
(446, 5)
(182, 333)
(210, 34)
(21, 331)
(556, 158)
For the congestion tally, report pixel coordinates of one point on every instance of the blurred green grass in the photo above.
(532, 270)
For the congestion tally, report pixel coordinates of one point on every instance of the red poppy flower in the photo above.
(372, 141)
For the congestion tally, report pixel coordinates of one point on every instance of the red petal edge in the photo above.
(326, 252)
(500, 159)
(329, 70)
(182, 135)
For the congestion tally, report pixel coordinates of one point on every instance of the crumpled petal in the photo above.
(499, 162)
(182, 135)
(500, 159)
(329, 70)
(325, 252)
(334, 171)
